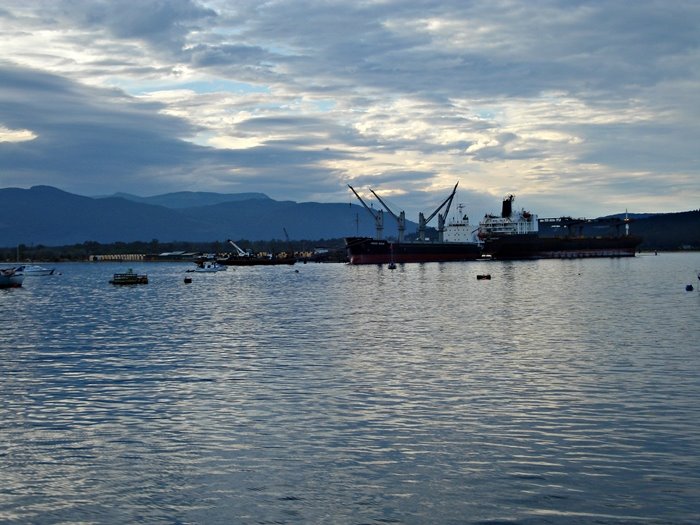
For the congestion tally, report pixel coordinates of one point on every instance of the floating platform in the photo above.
(129, 277)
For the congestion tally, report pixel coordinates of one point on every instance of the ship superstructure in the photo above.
(510, 222)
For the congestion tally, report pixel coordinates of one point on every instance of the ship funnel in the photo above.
(507, 208)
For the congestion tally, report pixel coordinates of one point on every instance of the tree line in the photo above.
(84, 251)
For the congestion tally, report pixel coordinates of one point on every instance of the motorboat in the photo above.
(11, 277)
(35, 270)
(208, 267)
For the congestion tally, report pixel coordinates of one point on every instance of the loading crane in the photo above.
(289, 243)
(400, 218)
(423, 222)
(239, 250)
(377, 214)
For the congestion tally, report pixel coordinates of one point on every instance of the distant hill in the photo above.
(633, 216)
(46, 215)
(669, 231)
(659, 231)
(52, 217)
(191, 199)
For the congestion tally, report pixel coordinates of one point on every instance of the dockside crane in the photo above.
(289, 243)
(400, 218)
(239, 251)
(423, 222)
(377, 214)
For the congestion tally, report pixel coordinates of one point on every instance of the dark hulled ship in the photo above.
(365, 250)
(455, 239)
(517, 235)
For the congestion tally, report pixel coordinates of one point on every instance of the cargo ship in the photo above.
(455, 242)
(517, 235)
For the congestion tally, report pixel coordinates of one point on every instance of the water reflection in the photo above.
(557, 391)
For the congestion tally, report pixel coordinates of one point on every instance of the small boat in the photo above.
(483, 276)
(129, 277)
(208, 267)
(36, 270)
(11, 277)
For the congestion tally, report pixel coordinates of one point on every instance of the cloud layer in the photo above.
(580, 108)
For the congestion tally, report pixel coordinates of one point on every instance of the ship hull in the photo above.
(256, 261)
(365, 250)
(532, 246)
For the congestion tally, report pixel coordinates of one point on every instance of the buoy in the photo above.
(188, 280)
(689, 288)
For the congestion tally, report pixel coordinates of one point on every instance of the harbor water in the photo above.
(557, 392)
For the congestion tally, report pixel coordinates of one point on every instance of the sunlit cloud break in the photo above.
(15, 135)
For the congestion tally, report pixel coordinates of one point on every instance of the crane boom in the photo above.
(400, 218)
(447, 201)
(378, 215)
(238, 249)
(370, 210)
(423, 222)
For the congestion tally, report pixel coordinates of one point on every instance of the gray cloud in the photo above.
(157, 22)
(544, 98)
(89, 138)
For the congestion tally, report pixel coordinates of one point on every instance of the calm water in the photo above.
(557, 392)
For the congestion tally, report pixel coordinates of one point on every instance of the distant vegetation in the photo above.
(83, 251)
(669, 231)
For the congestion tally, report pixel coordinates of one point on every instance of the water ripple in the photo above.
(557, 392)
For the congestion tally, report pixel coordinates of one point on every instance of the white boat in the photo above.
(209, 267)
(35, 270)
(11, 278)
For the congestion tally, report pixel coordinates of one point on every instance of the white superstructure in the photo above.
(509, 223)
(458, 228)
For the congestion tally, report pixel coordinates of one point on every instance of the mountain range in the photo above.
(52, 217)
(44, 215)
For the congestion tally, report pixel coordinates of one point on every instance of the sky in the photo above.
(578, 108)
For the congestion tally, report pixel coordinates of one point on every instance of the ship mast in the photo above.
(400, 219)
(378, 215)
(423, 222)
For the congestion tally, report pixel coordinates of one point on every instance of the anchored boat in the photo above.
(11, 277)
(36, 270)
(129, 277)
